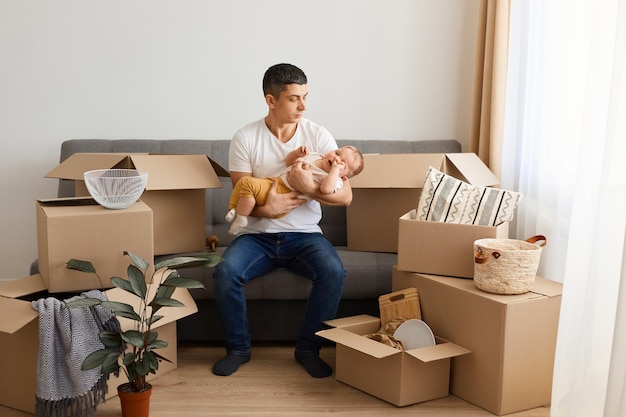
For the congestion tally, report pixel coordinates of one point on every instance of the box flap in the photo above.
(15, 314)
(165, 172)
(470, 168)
(76, 165)
(360, 324)
(352, 320)
(66, 202)
(21, 287)
(442, 350)
(362, 344)
(177, 172)
(219, 170)
(395, 170)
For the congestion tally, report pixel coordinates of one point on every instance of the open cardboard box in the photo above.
(441, 248)
(512, 338)
(176, 191)
(82, 229)
(390, 185)
(398, 377)
(19, 338)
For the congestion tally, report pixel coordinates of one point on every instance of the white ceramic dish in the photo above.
(414, 334)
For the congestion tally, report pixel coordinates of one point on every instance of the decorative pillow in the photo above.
(447, 199)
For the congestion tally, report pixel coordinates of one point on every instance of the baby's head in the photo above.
(350, 156)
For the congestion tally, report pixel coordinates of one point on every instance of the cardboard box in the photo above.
(390, 185)
(19, 335)
(176, 192)
(398, 377)
(82, 229)
(512, 338)
(441, 248)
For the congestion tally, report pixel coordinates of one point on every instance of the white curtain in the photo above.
(565, 149)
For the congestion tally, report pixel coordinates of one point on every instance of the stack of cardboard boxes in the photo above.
(169, 218)
(501, 346)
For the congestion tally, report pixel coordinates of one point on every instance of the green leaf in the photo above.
(165, 292)
(129, 358)
(153, 319)
(82, 302)
(110, 363)
(97, 358)
(152, 361)
(122, 283)
(133, 337)
(111, 339)
(131, 316)
(157, 344)
(122, 310)
(78, 265)
(165, 302)
(162, 358)
(137, 281)
(181, 282)
(209, 259)
(131, 368)
(143, 366)
(138, 261)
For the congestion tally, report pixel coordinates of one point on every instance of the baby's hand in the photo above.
(303, 151)
(338, 164)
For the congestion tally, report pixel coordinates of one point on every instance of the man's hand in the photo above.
(300, 178)
(277, 204)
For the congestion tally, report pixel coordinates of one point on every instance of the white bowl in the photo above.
(116, 188)
(414, 334)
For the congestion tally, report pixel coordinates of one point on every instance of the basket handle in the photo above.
(481, 258)
(537, 238)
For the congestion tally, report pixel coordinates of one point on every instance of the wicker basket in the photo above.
(507, 266)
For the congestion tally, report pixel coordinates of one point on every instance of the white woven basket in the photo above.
(507, 266)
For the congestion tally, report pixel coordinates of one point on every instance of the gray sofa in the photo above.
(276, 301)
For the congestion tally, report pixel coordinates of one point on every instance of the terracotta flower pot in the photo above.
(134, 404)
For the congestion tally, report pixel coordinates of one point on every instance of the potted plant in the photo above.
(133, 351)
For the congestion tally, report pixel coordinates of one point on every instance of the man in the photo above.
(293, 241)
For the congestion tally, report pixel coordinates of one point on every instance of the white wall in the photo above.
(377, 69)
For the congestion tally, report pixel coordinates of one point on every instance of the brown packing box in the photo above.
(390, 185)
(176, 192)
(398, 377)
(512, 338)
(19, 335)
(441, 248)
(82, 229)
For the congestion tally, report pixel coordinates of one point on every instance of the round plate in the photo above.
(414, 334)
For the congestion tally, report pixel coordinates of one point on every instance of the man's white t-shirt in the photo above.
(255, 149)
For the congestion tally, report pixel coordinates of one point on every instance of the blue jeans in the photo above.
(252, 255)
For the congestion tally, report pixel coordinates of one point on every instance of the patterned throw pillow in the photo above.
(447, 199)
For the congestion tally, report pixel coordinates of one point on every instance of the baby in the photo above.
(328, 170)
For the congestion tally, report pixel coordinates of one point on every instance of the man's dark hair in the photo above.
(278, 76)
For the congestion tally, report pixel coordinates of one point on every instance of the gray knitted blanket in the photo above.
(66, 337)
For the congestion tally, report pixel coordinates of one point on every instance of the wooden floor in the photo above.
(272, 384)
